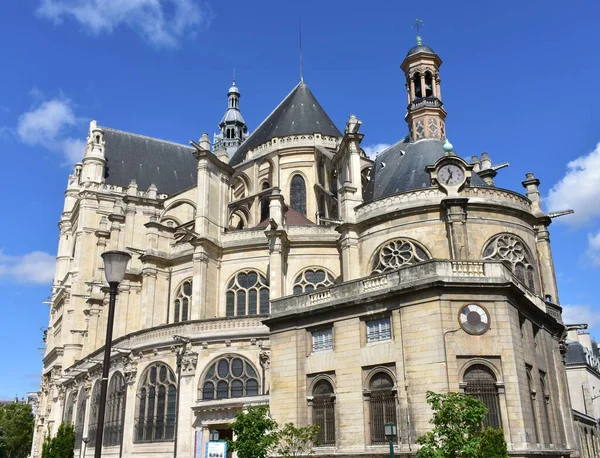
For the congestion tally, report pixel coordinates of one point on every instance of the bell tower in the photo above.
(425, 113)
(232, 128)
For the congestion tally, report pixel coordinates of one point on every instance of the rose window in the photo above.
(507, 247)
(397, 253)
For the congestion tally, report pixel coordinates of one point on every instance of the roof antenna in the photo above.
(234, 76)
(418, 25)
(300, 36)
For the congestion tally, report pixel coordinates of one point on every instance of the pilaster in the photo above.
(456, 227)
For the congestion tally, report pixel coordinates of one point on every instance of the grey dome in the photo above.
(401, 168)
(420, 48)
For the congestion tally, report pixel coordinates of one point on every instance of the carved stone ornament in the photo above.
(265, 359)
(188, 363)
(130, 370)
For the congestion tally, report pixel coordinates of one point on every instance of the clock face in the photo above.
(474, 319)
(451, 175)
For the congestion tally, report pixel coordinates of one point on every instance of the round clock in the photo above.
(474, 319)
(451, 175)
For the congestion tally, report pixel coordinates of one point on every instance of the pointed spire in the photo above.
(232, 128)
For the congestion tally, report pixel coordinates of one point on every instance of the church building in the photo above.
(282, 266)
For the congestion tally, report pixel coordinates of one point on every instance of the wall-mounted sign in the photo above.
(216, 449)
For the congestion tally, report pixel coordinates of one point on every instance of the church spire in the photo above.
(425, 113)
(232, 128)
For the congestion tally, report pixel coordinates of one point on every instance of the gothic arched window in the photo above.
(230, 377)
(310, 279)
(264, 203)
(68, 410)
(545, 400)
(508, 247)
(93, 422)
(183, 302)
(531, 394)
(382, 406)
(80, 417)
(298, 194)
(323, 412)
(115, 411)
(397, 253)
(481, 384)
(155, 414)
(247, 294)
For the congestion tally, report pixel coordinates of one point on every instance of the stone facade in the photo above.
(299, 273)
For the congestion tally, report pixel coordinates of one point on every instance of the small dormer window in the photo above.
(98, 139)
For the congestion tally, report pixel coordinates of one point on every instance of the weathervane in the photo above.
(418, 25)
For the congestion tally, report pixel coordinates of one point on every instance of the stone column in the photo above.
(278, 245)
(423, 90)
(348, 246)
(412, 90)
(186, 397)
(130, 374)
(149, 274)
(199, 285)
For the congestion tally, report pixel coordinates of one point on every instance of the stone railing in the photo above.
(555, 311)
(467, 268)
(293, 141)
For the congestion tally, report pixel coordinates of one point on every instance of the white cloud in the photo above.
(578, 190)
(577, 314)
(35, 267)
(593, 251)
(161, 22)
(373, 150)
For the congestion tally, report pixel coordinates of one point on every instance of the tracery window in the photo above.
(230, 377)
(397, 253)
(247, 294)
(382, 406)
(183, 301)
(481, 384)
(310, 279)
(80, 418)
(155, 415)
(323, 412)
(298, 194)
(115, 411)
(507, 247)
(93, 423)
(68, 409)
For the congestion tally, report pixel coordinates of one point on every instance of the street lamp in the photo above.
(115, 264)
(213, 436)
(390, 431)
(85, 442)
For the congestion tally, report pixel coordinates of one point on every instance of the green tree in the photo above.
(456, 421)
(61, 445)
(492, 444)
(295, 441)
(16, 430)
(255, 433)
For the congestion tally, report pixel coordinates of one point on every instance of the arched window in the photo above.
(531, 393)
(481, 384)
(310, 279)
(115, 410)
(382, 406)
(68, 410)
(545, 400)
(247, 294)
(157, 395)
(417, 81)
(183, 301)
(428, 85)
(323, 412)
(264, 203)
(398, 253)
(508, 247)
(93, 422)
(80, 417)
(298, 194)
(230, 377)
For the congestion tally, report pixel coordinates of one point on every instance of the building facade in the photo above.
(285, 267)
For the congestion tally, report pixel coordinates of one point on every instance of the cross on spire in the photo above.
(418, 25)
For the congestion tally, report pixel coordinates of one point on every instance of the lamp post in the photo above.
(115, 264)
(213, 436)
(390, 432)
(85, 442)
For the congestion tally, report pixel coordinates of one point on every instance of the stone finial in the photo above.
(531, 185)
(353, 125)
(486, 162)
(104, 223)
(132, 188)
(204, 142)
(152, 191)
(476, 163)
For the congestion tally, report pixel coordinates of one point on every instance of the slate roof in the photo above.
(420, 48)
(170, 166)
(298, 113)
(292, 218)
(575, 354)
(401, 168)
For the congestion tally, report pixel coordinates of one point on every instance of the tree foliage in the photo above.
(492, 444)
(255, 433)
(61, 445)
(16, 430)
(295, 441)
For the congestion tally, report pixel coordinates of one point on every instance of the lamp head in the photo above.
(390, 430)
(213, 435)
(115, 264)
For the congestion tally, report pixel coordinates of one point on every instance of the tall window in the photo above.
(264, 203)
(155, 419)
(324, 412)
(398, 253)
(115, 410)
(380, 329)
(310, 279)
(230, 377)
(298, 194)
(80, 417)
(382, 406)
(182, 303)
(545, 400)
(247, 294)
(481, 383)
(508, 247)
(68, 410)
(94, 405)
(531, 393)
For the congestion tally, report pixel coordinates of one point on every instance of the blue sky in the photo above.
(518, 81)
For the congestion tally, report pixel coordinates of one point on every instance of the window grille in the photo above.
(508, 247)
(481, 384)
(311, 279)
(382, 406)
(398, 253)
(323, 409)
(155, 419)
(298, 194)
(182, 302)
(247, 294)
(80, 420)
(93, 422)
(115, 411)
(379, 330)
(230, 377)
(322, 339)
